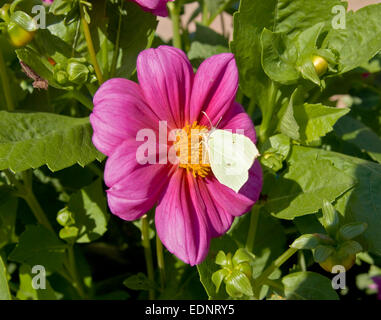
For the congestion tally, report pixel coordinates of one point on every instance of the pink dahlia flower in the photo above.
(157, 7)
(192, 206)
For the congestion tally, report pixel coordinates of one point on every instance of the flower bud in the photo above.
(61, 77)
(78, 73)
(333, 260)
(245, 268)
(320, 64)
(69, 234)
(21, 29)
(344, 255)
(65, 217)
(238, 284)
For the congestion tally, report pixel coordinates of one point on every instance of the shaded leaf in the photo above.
(4, 288)
(360, 204)
(32, 140)
(139, 282)
(89, 210)
(308, 286)
(304, 187)
(39, 246)
(355, 132)
(359, 41)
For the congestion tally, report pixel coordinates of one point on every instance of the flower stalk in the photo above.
(5, 83)
(270, 269)
(160, 261)
(90, 46)
(254, 218)
(117, 43)
(72, 266)
(174, 12)
(148, 254)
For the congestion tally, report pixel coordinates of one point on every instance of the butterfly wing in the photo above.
(231, 156)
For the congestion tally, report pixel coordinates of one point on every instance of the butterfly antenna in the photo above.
(219, 121)
(210, 122)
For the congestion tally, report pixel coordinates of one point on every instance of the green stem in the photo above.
(160, 261)
(253, 227)
(32, 201)
(117, 44)
(74, 272)
(148, 254)
(5, 82)
(251, 108)
(25, 191)
(268, 112)
(270, 269)
(302, 261)
(90, 46)
(174, 12)
(205, 14)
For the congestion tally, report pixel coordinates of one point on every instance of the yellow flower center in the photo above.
(190, 150)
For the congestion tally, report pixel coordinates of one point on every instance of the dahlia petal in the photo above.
(157, 7)
(220, 219)
(237, 203)
(123, 173)
(166, 76)
(214, 89)
(119, 112)
(235, 119)
(180, 220)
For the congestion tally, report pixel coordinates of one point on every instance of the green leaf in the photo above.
(61, 7)
(352, 230)
(208, 267)
(316, 120)
(4, 289)
(308, 286)
(216, 6)
(89, 210)
(26, 290)
(329, 218)
(304, 187)
(360, 204)
(279, 58)
(355, 132)
(274, 151)
(322, 253)
(201, 51)
(39, 246)
(139, 282)
(306, 241)
(144, 25)
(287, 16)
(287, 123)
(32, 140)
(359, 41)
